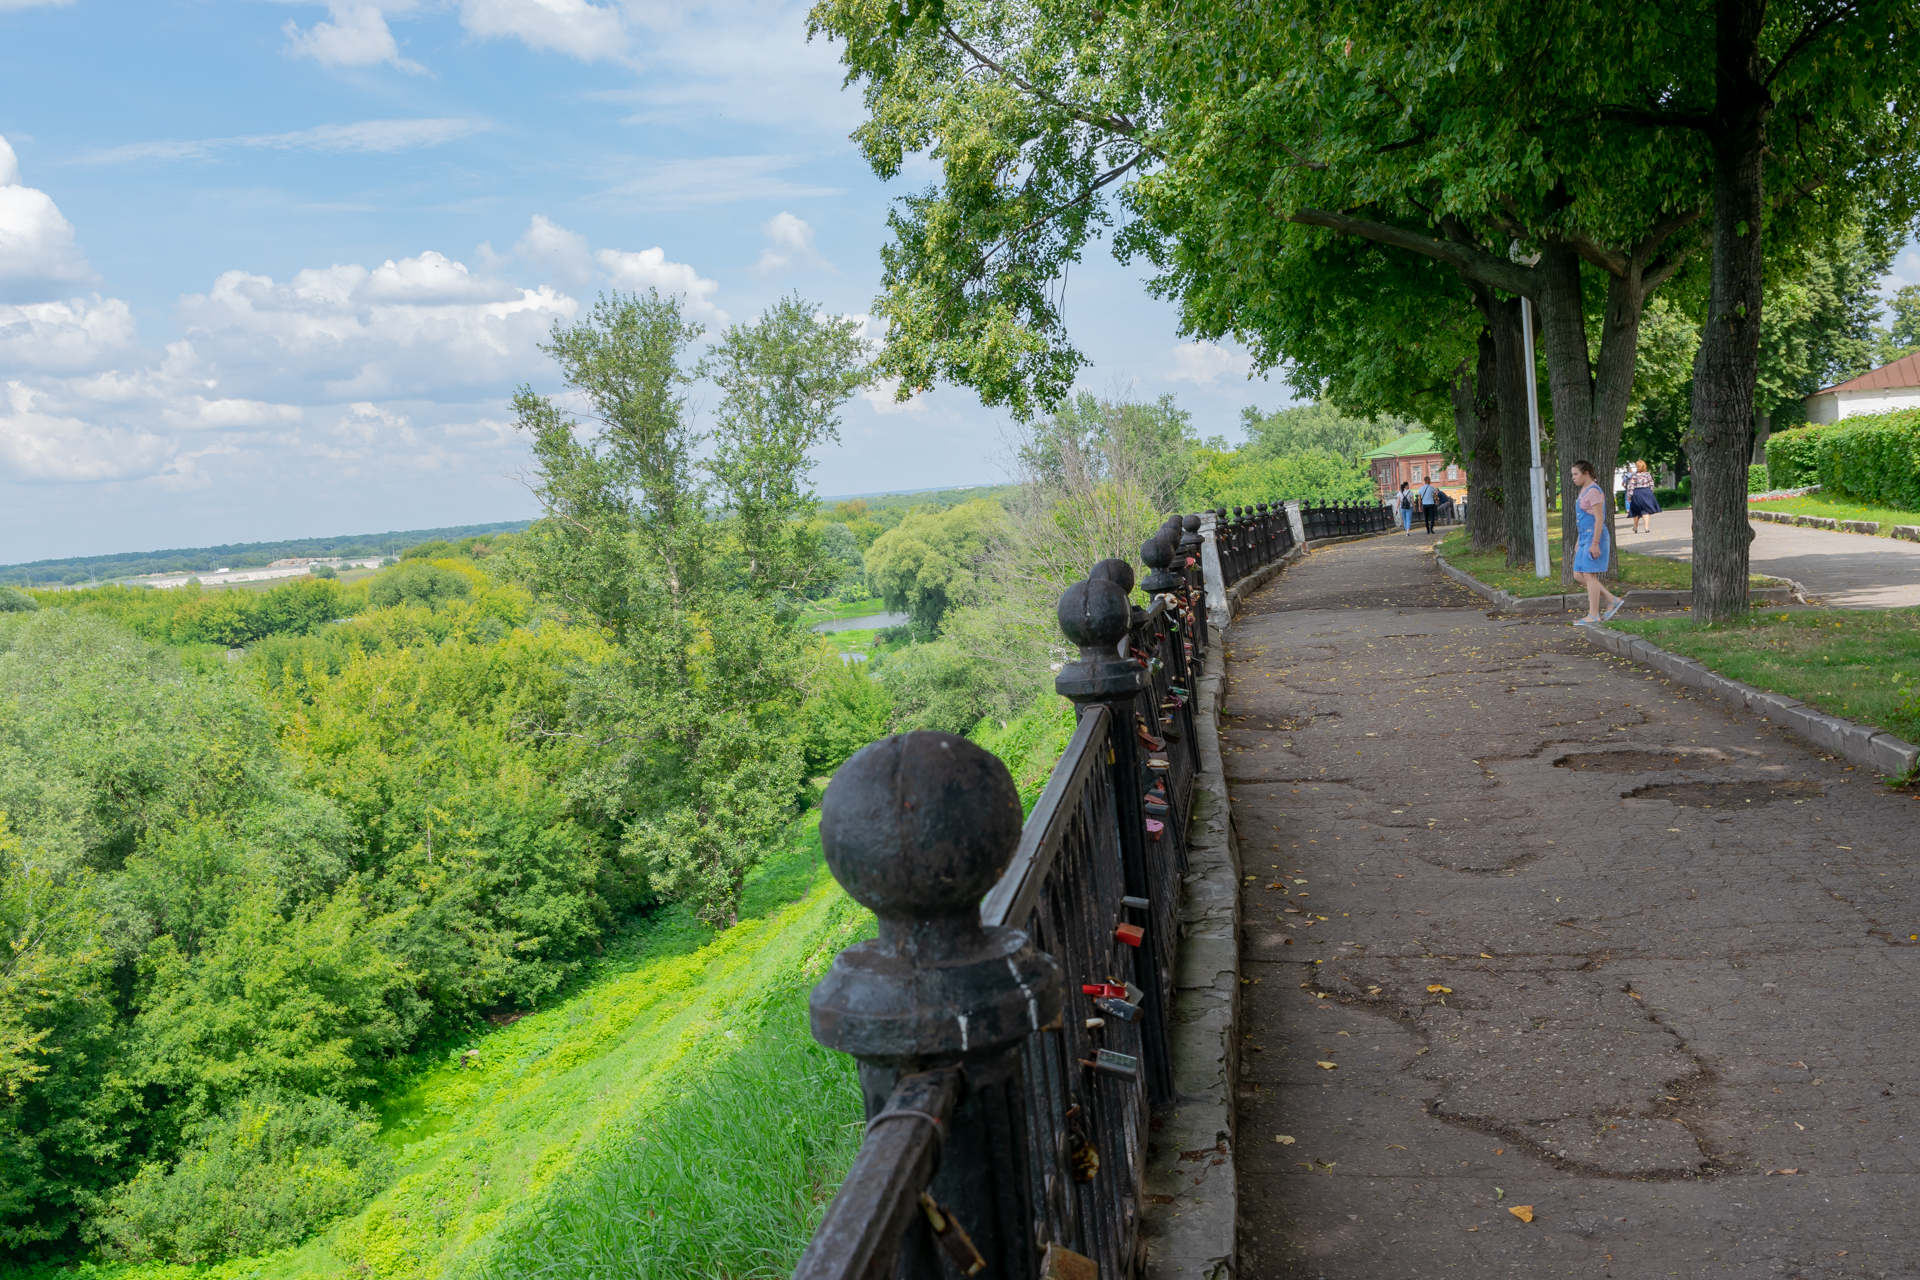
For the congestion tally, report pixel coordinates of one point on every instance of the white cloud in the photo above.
(64, 337)
(1202, 362)
(882, 397)
(561, 253)
(358, 36)
(573, 27)
(197, 413)
(789, 246)
(677, 184)
(413, 327)
(59, 447)
(649, 269)
(37, 247)
(361, 136)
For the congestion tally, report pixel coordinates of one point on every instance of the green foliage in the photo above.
(1222, 479)
(1872, 458)
(228, 617)
(1756, 479)
(416, 582)
(1111, 441)
(324, 571)
(438, 549)
(1030, 743)
(931, 562)
(844, 711)
(685, 565)
(12, 601)
(1901, 337)
(1315, 428)
(939, 685)
(266, 1173)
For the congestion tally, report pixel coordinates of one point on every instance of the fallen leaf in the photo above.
(1483, 956)
(1394, 1146)
(1771, 1172)
(1437, 987)
(1802, 1128)
(1327, 1066)
(1499, 1151)
(1634, 994)
(1801, 1065)
(1524, 1212)
(1499, 1193)
(1284, 1139)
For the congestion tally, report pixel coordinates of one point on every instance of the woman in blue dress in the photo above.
(1594, 549)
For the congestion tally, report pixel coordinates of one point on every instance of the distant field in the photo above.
(250, 555)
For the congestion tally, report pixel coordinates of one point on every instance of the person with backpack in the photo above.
(1406, 508)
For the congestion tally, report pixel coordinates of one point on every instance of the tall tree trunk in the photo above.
(1516, 451)
(1476, 421)
(1727, 364)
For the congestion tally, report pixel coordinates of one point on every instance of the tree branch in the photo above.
(1808, 34)
(1470, 261)
(1657, 119)
(1108, 121)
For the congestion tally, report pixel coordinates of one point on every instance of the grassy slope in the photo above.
(485, 1148)
(1815, 504)
(1861, 664)
(1652, 573)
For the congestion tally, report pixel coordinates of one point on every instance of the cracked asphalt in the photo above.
(1527, 925)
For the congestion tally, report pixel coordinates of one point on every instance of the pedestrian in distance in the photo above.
(1594, 550)
(1406, 507)
(1641, 503)
(1429, 502)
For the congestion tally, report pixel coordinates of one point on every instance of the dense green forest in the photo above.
(281, 871)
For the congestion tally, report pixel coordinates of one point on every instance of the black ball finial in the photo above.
(920, 825)
(1116, 571)
(1157, 552)
(1094, 614)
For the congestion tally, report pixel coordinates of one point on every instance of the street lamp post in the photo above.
(1537, 477)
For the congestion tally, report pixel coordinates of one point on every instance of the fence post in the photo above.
(918, 827)
(1191, 547)
(1097, 616)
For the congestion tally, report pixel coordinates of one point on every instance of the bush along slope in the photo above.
(1872, 458)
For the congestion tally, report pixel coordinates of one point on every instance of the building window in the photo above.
(1416, 471)
(1453, 473)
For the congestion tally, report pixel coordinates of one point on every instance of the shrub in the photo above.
(325, 571)
(1756, 479)
(265, 1174)
(12, 601)
(417, 582)
(1872, 458)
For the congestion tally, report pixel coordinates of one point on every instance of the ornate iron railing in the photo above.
(1012, 1018)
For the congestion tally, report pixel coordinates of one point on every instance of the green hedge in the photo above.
(1872, 458)
(1756, 479)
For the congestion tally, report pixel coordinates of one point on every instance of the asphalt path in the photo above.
(1845, 570)
(1528, 926)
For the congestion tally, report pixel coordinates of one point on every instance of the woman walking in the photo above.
(1641, 503)
(1594, 549)
(1406, 508)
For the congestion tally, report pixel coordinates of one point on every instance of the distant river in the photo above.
(872, 622)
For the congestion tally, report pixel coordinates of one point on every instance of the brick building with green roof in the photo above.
(1415, 459)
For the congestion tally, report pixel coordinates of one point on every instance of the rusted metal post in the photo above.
(918, 827)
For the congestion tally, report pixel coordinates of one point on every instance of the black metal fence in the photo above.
(1012, 1018)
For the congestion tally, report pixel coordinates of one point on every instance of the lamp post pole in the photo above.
(1538, 475)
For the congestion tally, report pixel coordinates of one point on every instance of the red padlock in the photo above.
(1104, 990)
(1131, 934)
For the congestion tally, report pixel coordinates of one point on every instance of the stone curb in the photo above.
(1507, 602)
(1905, 532)
(1190, 1223)
(1861, 744)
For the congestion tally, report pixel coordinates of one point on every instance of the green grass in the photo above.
(627, 1080)
(1815, 504)
(1861, 664)
(827, 610)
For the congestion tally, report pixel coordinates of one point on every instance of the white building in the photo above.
(1891, 386)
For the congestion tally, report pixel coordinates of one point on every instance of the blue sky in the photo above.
(273, 269)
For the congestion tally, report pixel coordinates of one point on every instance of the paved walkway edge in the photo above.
(1905, 532)
(1190, 1223)
(1862, 744)
(1507, 602)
